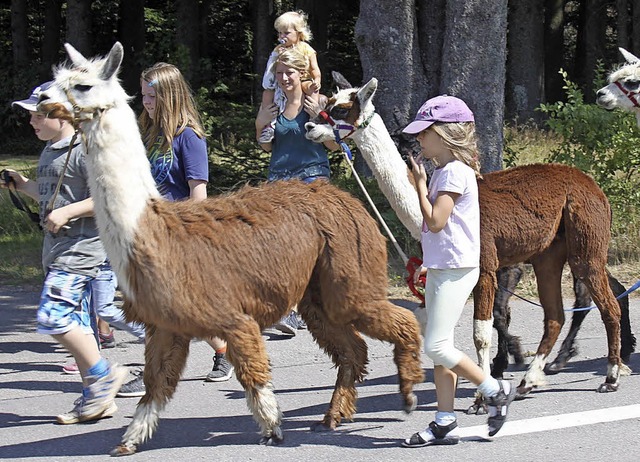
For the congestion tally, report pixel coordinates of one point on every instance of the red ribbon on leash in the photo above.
(414, 264)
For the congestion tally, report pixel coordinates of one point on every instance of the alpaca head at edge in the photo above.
(624, 86)
(87, 85)
(348, 107)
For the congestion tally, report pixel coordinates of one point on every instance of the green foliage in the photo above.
(606, 145)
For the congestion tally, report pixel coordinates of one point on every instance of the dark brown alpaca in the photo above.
(233, 265)
(544, 214)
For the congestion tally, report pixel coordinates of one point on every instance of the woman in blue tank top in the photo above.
(292, 154)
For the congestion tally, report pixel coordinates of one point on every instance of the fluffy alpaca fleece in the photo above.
(232, 265)
(543, 214)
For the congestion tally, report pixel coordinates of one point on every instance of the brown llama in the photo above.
(232, 265)
(543, 214)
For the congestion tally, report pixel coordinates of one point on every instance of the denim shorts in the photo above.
(64, 303)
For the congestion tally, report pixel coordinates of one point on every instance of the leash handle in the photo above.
(17, 201)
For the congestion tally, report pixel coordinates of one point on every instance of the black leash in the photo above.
(17, 201)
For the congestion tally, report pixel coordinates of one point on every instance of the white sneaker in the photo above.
(102, 392)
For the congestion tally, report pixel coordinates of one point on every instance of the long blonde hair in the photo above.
(175, 106)
(460, 139)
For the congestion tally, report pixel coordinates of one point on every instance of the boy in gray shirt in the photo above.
(72, 257)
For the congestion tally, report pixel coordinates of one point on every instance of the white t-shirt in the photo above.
(457, 245)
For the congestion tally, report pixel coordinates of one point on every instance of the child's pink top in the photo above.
(457, 245)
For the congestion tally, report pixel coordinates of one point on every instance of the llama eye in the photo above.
(632, 85)
(82, 87)
(339, 112)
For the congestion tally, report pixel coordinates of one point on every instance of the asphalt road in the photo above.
(564, 421)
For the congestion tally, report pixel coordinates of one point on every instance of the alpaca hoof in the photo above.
(411, 403)
(479, 407)
(270, 440)
(608, 387)
(522, 392)
(123, 450)
(321, 427)
(561, 361)
(275, 438)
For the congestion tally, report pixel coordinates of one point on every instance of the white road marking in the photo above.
(553, 422)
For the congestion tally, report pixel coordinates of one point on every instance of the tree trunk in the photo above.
(622, 23)
(79, 25)
(264, 40)
(553, 49)
(590, 44)
(431, 18)
(635, 30)
(187, 13)
(50, 49)
(473, 69)
(524, 89)
(132, 37)
(388, 44)
(19, 33)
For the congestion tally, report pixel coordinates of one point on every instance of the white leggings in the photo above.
(446, 293)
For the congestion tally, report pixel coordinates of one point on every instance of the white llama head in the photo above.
(88, 85)
(348, 109)
(623, 90)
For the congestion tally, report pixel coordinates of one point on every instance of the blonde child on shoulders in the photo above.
(293, 32)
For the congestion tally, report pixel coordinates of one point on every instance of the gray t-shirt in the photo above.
(77, 249)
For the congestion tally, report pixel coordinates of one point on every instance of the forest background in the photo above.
(528, 69)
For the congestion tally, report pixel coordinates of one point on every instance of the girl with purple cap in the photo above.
(444, 127)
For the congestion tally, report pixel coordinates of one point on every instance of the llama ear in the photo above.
(340, 81)
(75, 56)
(630, 58)
(367, 91)
(113, 61)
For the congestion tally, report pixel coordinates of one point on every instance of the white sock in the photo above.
(445, 418)
(489, 387)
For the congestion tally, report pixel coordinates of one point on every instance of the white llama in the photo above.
(623, 90)
(504, 241)
(230, 266)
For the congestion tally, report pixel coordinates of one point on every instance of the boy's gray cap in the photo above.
(30, 103)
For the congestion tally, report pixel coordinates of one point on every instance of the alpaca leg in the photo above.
(610, 313)
(248, 354)
(508, 279)
(348, 351)
(627, 339)
(548, 269)
(483, 297)
(568, 349)
(389, 323)
(165, 357)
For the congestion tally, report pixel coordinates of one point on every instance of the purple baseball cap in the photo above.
(32, 101)
(443, 108)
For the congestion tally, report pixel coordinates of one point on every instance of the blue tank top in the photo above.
(294, 156)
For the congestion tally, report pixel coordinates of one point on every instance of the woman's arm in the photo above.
(197, 190)
(265, 115)
(313, 108)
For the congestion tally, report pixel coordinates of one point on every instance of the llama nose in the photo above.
(600, 93)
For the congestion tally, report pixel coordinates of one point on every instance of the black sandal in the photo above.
(440, 436)
(499, 404)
